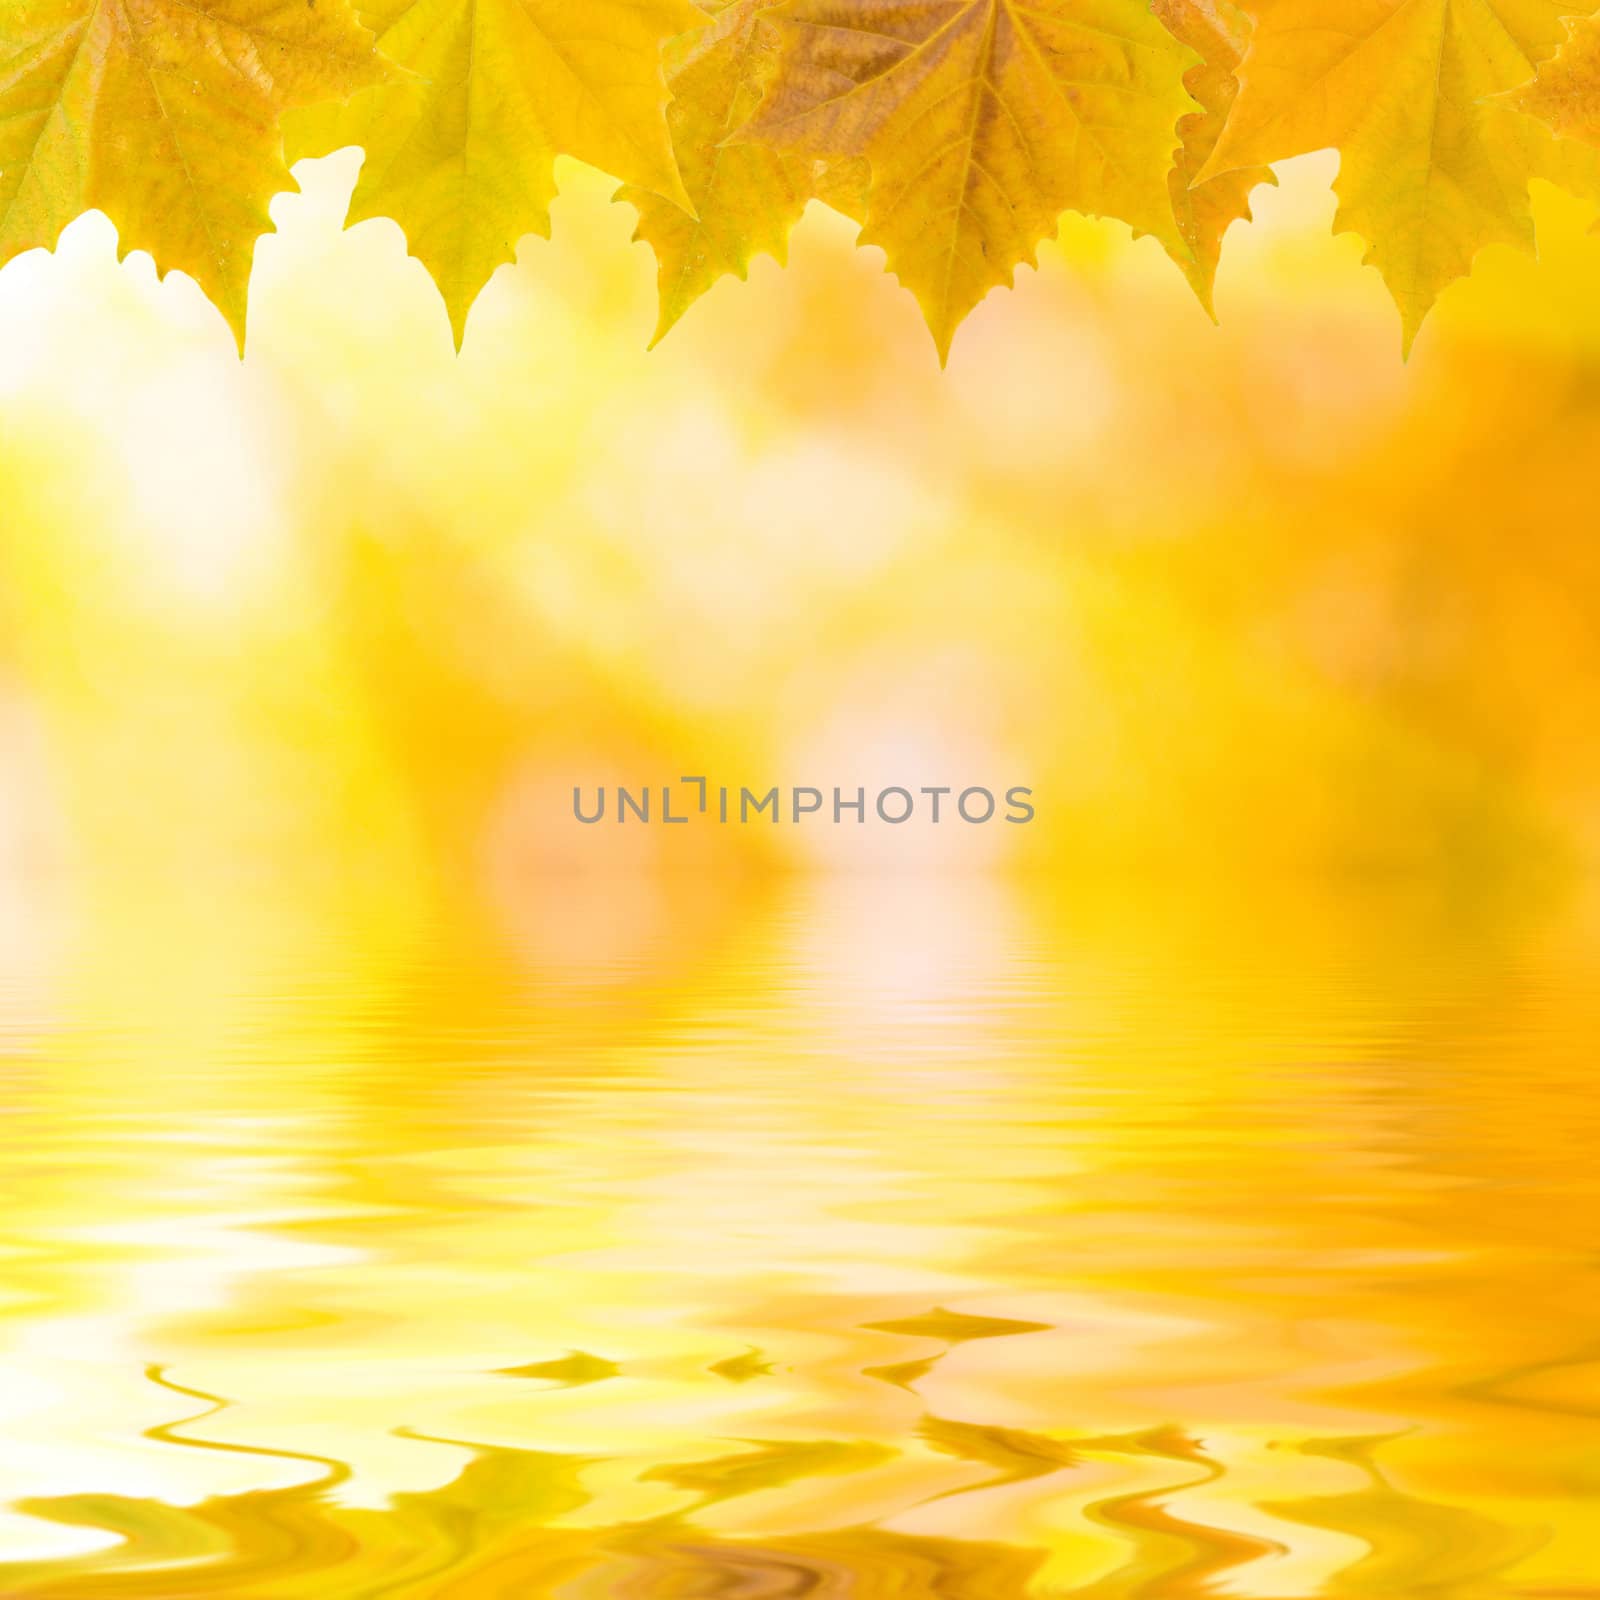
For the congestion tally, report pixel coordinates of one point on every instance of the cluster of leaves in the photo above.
(955, 132)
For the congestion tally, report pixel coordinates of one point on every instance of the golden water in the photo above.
(908, 1239)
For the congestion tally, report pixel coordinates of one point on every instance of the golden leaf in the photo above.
(746, 197)
(165, 115)
(1218, 32)
(1435, 159)
(461, 153)
(982, 121)
(1566, 92)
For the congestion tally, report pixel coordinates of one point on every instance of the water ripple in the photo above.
(952, 1249)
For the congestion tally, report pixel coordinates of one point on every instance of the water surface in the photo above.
(911, 1239)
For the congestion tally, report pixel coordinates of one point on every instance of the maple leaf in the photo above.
(461, 152)
(1566, 92)
(982, 121)
(746, 197)
(164, 114)
(1435, 159)
(1219, 32)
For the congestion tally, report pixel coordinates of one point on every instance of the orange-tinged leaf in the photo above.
(746, 197)
(982, 121)
(1435, 157)
(1218, 32)
(165, 115)
(1566, 92)
(461, 151)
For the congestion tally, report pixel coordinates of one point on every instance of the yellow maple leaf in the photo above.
(165, 115)
(461, 151)
(1566, 92)
(1435, 158)
(1218, 32)
(982, 121)
(746, 197)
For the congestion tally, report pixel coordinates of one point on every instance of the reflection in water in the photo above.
(908, 1239)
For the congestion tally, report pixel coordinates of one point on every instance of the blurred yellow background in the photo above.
(1259, 594)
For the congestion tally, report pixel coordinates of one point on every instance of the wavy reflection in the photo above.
(872, 1243)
